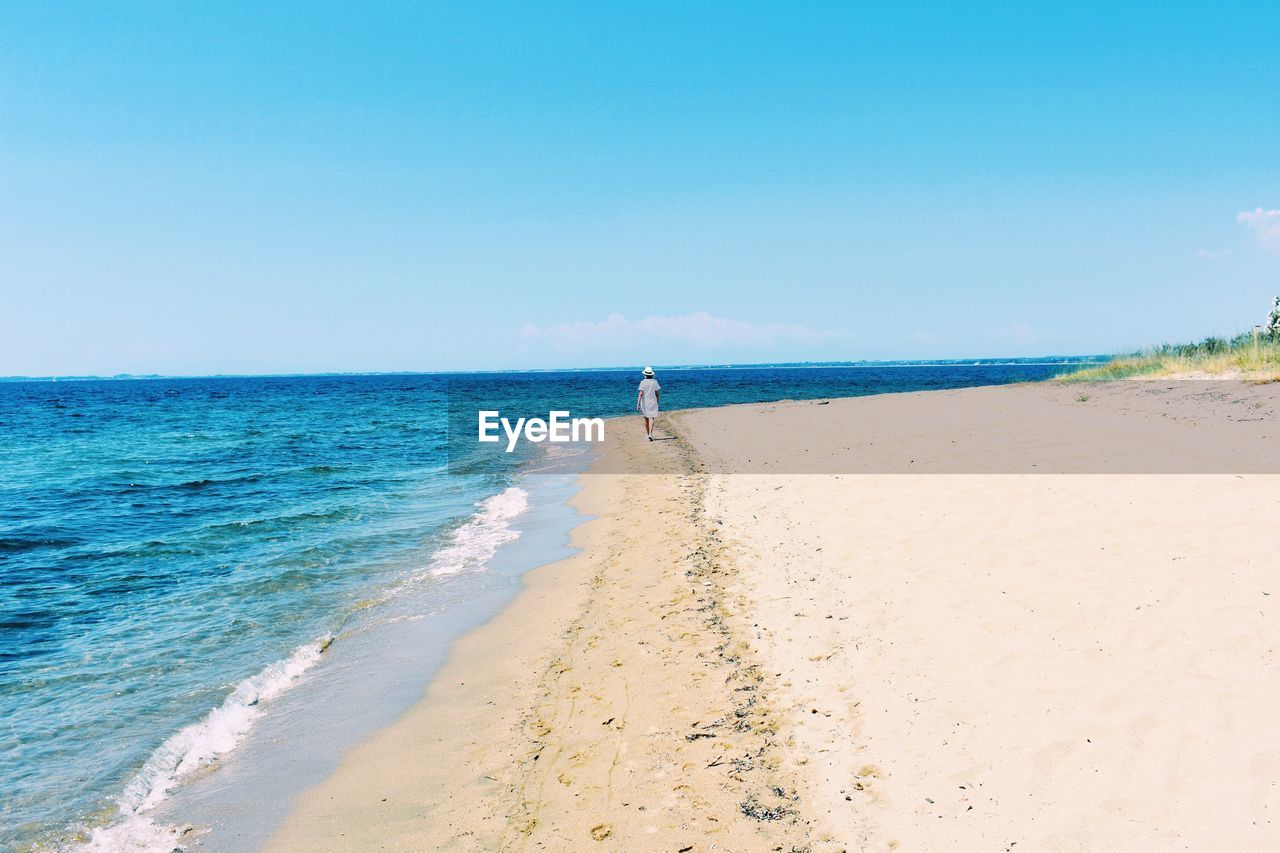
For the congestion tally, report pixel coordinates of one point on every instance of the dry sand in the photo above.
(838, 655)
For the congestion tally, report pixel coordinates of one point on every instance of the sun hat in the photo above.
(648, 371)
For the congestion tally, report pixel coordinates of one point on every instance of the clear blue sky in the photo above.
(194, 188)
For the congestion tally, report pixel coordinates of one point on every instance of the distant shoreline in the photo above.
(790, 365)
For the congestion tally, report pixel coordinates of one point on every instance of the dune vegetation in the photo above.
(1254, 356)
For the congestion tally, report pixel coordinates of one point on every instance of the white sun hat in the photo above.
(648, 371)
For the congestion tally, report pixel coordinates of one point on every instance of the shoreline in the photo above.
(295, 738)
(595, 731)
(665, 691)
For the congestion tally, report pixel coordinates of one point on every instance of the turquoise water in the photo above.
(177, 554)
(164, 540)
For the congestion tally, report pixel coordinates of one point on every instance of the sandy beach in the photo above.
(1023, 618)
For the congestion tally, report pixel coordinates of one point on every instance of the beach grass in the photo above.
(1241, 357)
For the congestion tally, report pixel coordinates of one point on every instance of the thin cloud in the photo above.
(699, 330)
(1212, 254)
(1265, 225)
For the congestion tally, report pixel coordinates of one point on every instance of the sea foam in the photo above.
(473, 544)
(196, 747)
(201, 744)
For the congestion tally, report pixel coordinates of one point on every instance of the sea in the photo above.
(212, 588)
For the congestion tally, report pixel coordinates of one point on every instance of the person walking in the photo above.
(647, 400)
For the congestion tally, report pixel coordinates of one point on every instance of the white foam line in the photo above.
(473, 544)
(203, 743)
(198, 746)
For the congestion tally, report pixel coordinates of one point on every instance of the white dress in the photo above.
(649, 398)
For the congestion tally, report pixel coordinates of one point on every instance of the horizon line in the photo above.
(989, 361)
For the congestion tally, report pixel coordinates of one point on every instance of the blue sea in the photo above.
(213, 587)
